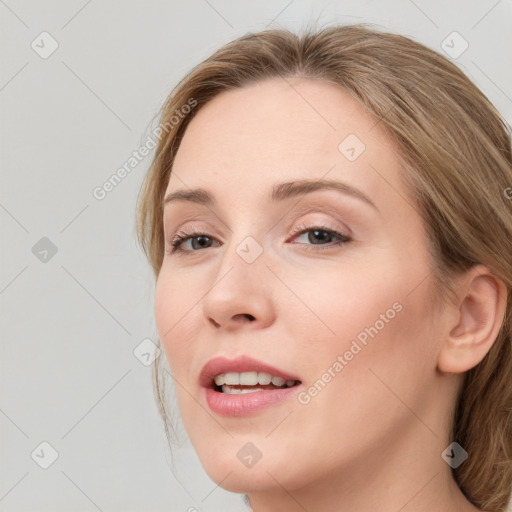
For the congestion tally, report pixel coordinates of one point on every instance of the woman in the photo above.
(330, 224)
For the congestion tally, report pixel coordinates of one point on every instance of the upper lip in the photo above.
(219, 365)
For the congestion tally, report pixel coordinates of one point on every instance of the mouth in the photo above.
(239, 383)
(244, 373)
(245, 386)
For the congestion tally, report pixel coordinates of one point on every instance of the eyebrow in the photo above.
(280, 192)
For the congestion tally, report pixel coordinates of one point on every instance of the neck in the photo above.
(406, 476)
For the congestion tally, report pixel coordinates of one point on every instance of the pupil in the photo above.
(199, 239)
(322, 238)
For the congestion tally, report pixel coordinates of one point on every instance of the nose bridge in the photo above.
(238, 290)
(244, 250)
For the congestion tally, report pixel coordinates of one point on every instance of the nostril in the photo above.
(240, 316)
(244, 316)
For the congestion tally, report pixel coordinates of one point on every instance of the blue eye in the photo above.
(320, 234)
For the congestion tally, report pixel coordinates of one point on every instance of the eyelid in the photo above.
(292, 226)
(339, 211)
(302, 227)
(337, 220)
(184, 235)
(189, 224)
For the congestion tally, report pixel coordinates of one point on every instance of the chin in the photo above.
(230, 471)
(240, 480)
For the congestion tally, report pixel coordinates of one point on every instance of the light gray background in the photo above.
(71, 321)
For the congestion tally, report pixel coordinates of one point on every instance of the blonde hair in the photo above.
(456, 154)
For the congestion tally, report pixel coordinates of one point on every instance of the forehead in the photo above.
(246, 139)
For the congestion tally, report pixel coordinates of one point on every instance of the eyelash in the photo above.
(182, 236)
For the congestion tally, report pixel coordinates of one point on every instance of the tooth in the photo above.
(232, 378)
(234, 391)
(278, 381)
(249, 378)
(250, 390)
(230, 391)
(264, 378)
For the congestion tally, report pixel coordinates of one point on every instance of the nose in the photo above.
(239, 294)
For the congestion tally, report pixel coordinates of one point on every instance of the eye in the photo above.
(182, 237)
(319, 237)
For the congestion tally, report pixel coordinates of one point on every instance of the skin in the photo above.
(372, 438)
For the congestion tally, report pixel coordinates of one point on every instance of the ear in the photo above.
(476, 321)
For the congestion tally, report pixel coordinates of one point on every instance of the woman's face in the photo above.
(269, 278)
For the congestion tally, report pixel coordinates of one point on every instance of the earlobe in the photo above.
(477, 321)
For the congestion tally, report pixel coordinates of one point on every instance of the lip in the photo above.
(241, 364)
(244, 404)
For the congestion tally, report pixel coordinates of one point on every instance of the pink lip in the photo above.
(219, 365)
(248, 403)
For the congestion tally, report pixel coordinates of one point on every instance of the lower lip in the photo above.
(245, 404)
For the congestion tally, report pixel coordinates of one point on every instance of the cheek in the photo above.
(368, 325)
(356, 390)
(175, 317)
(344, 303)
